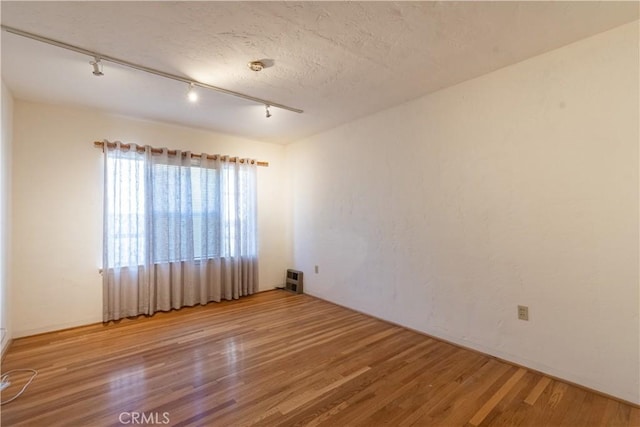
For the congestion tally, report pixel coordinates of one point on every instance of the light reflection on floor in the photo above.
(131, 378)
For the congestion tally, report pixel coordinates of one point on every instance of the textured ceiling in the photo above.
(336, 60)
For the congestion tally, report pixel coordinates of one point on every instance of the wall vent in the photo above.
(294, 281)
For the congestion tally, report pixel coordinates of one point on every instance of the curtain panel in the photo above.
(178, 231)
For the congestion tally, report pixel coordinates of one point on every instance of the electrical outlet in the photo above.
(523, 312)
(317, 269)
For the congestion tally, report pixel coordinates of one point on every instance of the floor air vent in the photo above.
(294, 281)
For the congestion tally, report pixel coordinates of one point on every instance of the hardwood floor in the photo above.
(281, 359)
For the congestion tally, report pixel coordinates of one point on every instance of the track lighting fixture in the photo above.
(191, 93)
(267, 113)
(193, 96)
(97, 67)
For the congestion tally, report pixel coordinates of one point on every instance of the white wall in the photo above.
(6, 135)
(518, 187)
(57, 207)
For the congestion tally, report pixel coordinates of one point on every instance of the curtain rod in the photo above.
(140, 149)
(139, 67)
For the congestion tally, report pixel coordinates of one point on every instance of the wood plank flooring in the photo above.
(278, 359)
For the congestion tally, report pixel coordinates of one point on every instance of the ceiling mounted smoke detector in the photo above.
(256, 65)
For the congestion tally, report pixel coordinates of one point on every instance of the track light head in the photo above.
(267, 112)
(191, 93)
(97, 67)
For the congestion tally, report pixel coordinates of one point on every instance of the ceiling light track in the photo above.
(101, 57)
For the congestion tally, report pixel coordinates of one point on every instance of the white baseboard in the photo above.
(5, 346)
(20, 333)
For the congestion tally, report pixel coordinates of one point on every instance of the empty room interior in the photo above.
(320, 213)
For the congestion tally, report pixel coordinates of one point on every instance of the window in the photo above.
(163, 209)
(125, 209)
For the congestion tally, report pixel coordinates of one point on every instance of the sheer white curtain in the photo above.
(178, 231)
